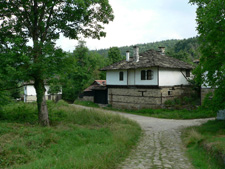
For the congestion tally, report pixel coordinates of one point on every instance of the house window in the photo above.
(188, 73)
(121, 76)
(146, 75)
(143, 75)
(149, 75)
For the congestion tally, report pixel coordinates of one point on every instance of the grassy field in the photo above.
(76, 139)
(161, 113)
(86, 103)
(173, 114)
(206, 145)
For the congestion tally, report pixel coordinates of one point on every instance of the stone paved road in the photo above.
(160, 146)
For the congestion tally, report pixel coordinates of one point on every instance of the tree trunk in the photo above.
(41, 103)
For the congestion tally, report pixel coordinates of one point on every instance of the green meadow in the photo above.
(75, 139)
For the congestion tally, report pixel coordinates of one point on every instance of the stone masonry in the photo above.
(127, 98)
(87, 98)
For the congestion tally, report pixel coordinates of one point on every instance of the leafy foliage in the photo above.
(114, 55)
(211, 28)
(41, 22)
(186, 50)
(80, 70)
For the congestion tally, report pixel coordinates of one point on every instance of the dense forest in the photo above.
(186, 49)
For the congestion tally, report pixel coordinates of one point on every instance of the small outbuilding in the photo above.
(96, 92)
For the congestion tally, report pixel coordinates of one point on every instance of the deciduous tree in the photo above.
(80, 70)
(211, 29)
(114, 55)
(41, 22)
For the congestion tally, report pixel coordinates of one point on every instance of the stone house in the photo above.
(31, 96)
(147, 80)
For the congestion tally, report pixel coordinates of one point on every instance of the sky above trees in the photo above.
(142, 21)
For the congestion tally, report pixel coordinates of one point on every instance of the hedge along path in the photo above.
(160, 146)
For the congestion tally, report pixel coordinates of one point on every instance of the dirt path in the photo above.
(161, 146)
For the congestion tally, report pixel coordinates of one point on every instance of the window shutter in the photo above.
(121, 76)
(188, 73)
(143, 75)
(149, 75)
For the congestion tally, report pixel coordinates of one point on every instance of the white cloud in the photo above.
(142, 21)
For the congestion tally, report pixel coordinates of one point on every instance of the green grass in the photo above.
(86, 103)
(206, 144)
(161, 113)
(170, 114)
(76, 139)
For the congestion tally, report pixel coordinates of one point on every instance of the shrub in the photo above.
(19, 112)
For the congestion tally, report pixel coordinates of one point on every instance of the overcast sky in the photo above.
(143, 21)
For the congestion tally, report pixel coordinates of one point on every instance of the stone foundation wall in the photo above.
(87, 98)
(48, 97)
(170, 93)
(31, 99)
(204, 92)
(124, 98)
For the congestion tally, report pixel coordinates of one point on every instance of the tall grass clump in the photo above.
(206, 144)
(86, 103)
(19, 112)
(76, 138)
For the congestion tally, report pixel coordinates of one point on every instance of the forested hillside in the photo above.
(186, 50)
(169, 44)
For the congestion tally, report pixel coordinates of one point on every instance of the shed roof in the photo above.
(96, 84)
(150, 58)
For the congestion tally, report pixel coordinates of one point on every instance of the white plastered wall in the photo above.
(30, 90)
(172, 77)
(112, 77)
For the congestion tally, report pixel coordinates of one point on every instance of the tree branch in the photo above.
(48, 23)
(11, 88)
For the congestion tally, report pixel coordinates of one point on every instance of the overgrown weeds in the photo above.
(76, 139)
(170, 113)
(196, 113)
(206, 144)
(86, 103)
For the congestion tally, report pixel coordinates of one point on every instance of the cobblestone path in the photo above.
(160, 146)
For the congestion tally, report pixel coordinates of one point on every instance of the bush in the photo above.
(215, 101)
(19, 112)
(183, 102)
